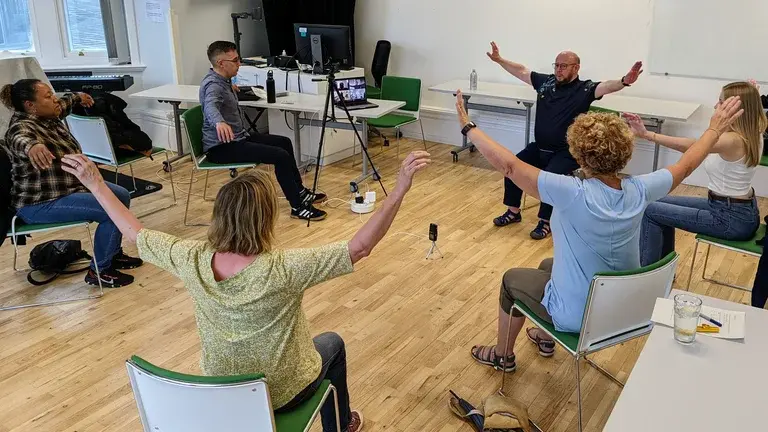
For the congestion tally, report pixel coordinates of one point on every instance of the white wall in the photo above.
(441, 40)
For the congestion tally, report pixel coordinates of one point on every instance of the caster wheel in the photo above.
(386, 142)
(455, 156)
(400, 134)
(376, 177)
(472, 149)
(167, 167)
(233, 173)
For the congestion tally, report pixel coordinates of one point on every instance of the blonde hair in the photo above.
(751, 125)
(244, 215)
(601, 143)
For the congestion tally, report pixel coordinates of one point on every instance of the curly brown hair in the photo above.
(601, 143)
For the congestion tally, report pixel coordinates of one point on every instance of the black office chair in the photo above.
(379, 67)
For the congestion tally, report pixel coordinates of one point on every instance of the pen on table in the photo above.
(717, 323)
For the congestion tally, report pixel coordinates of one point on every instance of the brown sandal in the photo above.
(546, 347)
(486, 355)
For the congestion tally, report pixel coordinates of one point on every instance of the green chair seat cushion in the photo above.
(195, 379)
(23, 228)
(569, 340)
(764, 160)
(124, 160)
(372, 92)
(391, 121)
(206, 164)
(298, 418)
(745, 245)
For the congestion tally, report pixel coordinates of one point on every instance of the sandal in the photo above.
(507, 218)
(546, 347)
(541, 231)
(486, 355)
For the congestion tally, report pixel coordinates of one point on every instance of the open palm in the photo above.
(633, 73)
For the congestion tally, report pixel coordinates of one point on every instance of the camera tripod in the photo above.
(331, 80)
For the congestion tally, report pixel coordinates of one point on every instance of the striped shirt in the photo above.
(30, 185)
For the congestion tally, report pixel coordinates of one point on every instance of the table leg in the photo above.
(179, 147)
(528, 106)
(465, 144)
(306, 165)
(659, 123)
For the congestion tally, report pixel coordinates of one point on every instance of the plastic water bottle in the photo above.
(284, 54)
(473, 80)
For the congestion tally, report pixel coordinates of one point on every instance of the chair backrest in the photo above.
(193, 121)
(380, 61)
(169, 401)
(92, 135)
(402, 89)
(620, 304)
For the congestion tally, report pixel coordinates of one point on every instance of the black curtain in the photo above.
(280, 15)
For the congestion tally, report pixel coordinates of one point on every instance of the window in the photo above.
(15, 29)
(85, 29)
(64, 33)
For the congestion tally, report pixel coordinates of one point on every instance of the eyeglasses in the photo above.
(234, 60)
(562, 65)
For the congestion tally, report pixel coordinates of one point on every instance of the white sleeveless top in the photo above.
(730, 179)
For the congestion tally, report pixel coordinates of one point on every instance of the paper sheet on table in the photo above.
(734, 323)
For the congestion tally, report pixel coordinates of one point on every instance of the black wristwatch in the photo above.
(465, 130)
(623, 83)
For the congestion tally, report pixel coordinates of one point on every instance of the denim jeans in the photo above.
(82, 206)
(334, 355)
(727, 221)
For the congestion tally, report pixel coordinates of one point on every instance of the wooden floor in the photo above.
(408, 322)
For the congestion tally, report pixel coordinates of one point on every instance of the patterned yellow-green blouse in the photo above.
(252, 322)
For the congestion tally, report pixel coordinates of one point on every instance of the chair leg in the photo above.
(189, 196)
(525, 195)
(133, 177)
(693, 261)
(706, 260)
(336, 405)
(397, 133)
(117, 174)
(603, 371)
(205, 188)
(506, 348)
(423, 137)
(170, 174)
(578, 390)
(95, 262)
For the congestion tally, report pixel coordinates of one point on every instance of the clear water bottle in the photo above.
(473, 80)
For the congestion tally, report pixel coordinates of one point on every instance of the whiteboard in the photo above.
(722, 39)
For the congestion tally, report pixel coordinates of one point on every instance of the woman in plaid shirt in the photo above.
(42, 192)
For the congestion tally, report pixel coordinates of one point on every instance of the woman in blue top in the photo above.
(595, 224)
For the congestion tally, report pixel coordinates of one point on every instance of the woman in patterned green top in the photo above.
(247, 295)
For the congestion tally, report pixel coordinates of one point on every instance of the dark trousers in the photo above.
(760, 288)
(334, 355)
(268, 149)
(557, 162)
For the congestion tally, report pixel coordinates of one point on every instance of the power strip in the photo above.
(362, 208)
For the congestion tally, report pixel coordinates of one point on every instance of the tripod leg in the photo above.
(322, 138)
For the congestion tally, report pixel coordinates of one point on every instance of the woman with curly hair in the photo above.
(595, 224)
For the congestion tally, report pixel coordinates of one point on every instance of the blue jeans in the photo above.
(82, 206)
(727, 221)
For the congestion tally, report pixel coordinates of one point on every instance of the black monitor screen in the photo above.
(336, 41)
(353, 89)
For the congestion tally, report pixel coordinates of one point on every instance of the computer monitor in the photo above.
(353, 90)
(336, 44)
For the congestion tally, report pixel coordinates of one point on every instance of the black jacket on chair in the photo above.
(6, 211)
(124, 133)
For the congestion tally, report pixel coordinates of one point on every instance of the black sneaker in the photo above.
(541, 231)
(109, 278)
(307, 196)
(310, 213)
(122, 261)
(507, 218)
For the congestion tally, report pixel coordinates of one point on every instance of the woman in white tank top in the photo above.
(730, 211)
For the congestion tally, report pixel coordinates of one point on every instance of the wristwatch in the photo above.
(465, 130)
(623, 83)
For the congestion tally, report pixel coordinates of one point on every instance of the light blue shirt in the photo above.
(595, 228)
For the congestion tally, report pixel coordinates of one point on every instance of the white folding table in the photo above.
(653, 111)
(711, 385)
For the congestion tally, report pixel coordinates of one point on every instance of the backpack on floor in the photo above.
(53, 258)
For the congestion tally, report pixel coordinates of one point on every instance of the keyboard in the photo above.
(86, 82)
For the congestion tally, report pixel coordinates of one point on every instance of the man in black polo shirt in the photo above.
(562, 97)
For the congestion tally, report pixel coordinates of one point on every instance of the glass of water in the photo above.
(687, 310)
